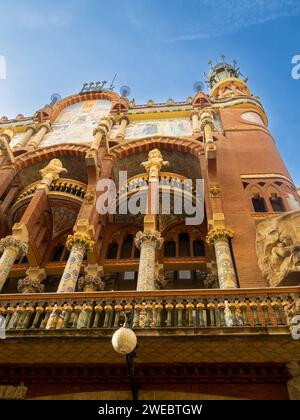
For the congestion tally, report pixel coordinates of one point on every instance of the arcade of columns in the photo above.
(83, 241)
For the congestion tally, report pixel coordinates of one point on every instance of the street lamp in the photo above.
(124, 341)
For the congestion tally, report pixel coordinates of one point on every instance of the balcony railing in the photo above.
(256, 309)
(65, 186)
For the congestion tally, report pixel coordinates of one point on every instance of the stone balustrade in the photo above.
(65, 186)
(175, 181)
(256, 310)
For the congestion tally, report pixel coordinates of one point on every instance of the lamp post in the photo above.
(124, 341)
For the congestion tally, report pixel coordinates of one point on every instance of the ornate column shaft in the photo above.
(150, 240)
(78, 244)
(195, 122)
(219, 237)
(148, 243)
(12, 249)
(36, 140)
(101, 131)
(27, 137)
(124, 121)
(207, 125)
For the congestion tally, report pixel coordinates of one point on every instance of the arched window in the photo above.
(276, 203)
(259, 204)
(170, 249)
(198, 248)
(112, 252)
(184, 245)
(127, 245)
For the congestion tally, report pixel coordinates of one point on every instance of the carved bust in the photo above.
(278, 249)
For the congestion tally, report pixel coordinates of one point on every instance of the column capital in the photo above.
(46, 125)
(32, 283)
(194, 112)
(90, 283)
(32, 127)
(8, 133)
(80, 238)
(154, 236)
(18, 245)
(219, 234)
(206, 118)
(124, 117)
(99, 130)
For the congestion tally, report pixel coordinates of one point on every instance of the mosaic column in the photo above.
(36, 140)
(148, 243)
(78, 244)
(219, 238)
(12, 249)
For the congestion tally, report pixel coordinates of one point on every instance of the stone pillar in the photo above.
(32, 283)
(12, 248)
(44, 128)
(124, 121)
(26, 138)
(78, 244)
(195, 122)
(148, 243)
(102, 132)
(219, 238)
(293, 384)
(207, 125)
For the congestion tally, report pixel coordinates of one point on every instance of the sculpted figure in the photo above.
(154, 164)
(278, 249)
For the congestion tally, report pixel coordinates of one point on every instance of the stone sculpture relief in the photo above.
(278, 249)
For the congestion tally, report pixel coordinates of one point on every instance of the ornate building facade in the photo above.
(214, 305)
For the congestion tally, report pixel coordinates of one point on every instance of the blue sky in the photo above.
(159, 48)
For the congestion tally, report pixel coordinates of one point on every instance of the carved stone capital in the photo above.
(206, 118)
(45, 125)
(218, 234)
(154, 236)
(10, 242)
(82, 239)
(30, 285)
(292, 310)
(90, 284)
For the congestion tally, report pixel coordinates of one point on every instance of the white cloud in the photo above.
(221, 18)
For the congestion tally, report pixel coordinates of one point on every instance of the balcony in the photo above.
(202, 311)
(172, 326)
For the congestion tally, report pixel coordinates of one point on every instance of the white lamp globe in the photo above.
(124, 341)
